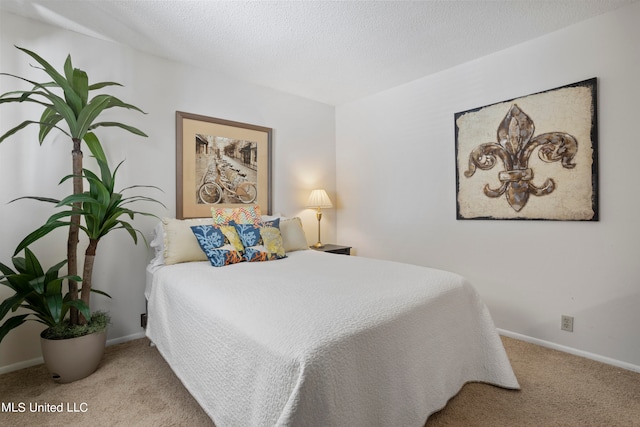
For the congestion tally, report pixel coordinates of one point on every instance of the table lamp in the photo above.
(318, 200)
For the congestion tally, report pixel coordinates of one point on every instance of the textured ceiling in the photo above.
(329, 51)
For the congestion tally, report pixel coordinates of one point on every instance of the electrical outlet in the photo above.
(143, 320)
(567, 323)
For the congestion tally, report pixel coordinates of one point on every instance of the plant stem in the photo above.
(74, 230)
(89, 257)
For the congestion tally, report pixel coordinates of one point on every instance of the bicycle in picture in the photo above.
(230, 182)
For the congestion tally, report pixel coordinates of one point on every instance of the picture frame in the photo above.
(530, 158)
(221, 163)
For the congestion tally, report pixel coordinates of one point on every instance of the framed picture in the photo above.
(220, 163)
(533, 157)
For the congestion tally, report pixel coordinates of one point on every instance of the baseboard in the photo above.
(126, 338)
(21, 365)
(570, 350)
(39, 360)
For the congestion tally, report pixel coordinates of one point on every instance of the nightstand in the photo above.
(334, 249)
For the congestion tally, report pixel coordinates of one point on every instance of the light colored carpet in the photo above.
(134, 387)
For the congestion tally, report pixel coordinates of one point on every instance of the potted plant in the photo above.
(68, 108)
(71, 352)
(42, 294)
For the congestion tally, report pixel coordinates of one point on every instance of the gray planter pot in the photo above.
(72, 359)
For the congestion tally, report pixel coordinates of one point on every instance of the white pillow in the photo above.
(293, 235)
(157, 243)
(180, 244)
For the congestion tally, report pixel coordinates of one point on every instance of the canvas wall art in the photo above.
(533, 157)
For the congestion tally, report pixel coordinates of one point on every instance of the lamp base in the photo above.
(319, 217)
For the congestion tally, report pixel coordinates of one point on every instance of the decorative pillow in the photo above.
(231, 234)
(249, 234)
(179, 243)
(262, 242)
(243, 215)
(272, 240)
(293, 235)
(215, 244)
(276, 215)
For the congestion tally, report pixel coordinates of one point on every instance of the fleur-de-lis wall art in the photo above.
(508, 167)
(515, 145)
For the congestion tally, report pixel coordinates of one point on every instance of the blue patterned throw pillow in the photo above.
(261, 242)
(216, 245)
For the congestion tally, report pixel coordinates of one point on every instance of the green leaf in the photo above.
(22, 126)
(82, 307)
(131, 230)
(73, 100)
(100, 85)
(24, 98)
(32, 264)
(59, 104)
(77, 198)
(53, 287)
(71, 277)
(16, 129)
(11, 323)
(38, 234)
(53, 272)
(20, 264)
(100, 292)
(155, 187)
(90, 175)
(68, 68)
(100, 192)
(19, 282)
(135, 199)
(89, 113)
(6, 270)
(11, 303)
(80, 83)
(131, 129)
(65, 111)
(49, 119)
(40, 199)
(54, 305)
(37, 284)
(115, 102)
(94, 145)
(111, 177)
(26, 94)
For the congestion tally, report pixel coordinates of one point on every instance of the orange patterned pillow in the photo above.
(243, 215)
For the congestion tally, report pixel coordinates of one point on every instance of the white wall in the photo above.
(303, 157)
(396, 190)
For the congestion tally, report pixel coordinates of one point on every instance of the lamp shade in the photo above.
(319, 199)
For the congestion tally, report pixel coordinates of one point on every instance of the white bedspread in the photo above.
(320, 339)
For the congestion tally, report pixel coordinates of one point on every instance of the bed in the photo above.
(318, 339)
